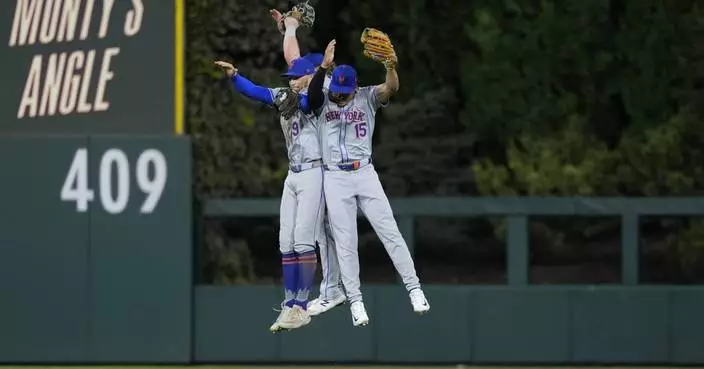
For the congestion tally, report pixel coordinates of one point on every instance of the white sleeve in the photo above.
(372, 98)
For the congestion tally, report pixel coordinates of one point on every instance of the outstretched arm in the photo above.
(251, 90)
(245, 86)
(390, 86)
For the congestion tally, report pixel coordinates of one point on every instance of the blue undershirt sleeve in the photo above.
(251, 90)
(305, 104)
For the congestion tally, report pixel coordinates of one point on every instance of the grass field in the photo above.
(336, 367)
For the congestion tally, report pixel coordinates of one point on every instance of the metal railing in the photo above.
(517, 211)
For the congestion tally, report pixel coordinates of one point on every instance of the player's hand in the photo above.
(227, 67)
(329, 55)
(278, 19)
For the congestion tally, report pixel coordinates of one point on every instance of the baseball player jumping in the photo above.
(331, 292)
(302, 201)
(347, 120)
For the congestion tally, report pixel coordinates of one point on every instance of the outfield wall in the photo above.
(108, 278)
(129, 322)
(95, 256)
(466, 325)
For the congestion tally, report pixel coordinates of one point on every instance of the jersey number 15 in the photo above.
(361, 129)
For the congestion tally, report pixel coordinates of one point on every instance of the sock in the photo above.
(289, 265)
(307, 263)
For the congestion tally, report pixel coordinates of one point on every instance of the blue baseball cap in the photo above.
(299, 68)
(315, 58)
(343, 79)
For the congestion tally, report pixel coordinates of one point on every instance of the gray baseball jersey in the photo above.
(301, 134)
(302, 214)
(346, 132)
(346, 135)
(331, 283)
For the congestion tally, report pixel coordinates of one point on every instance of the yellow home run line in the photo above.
(179, 75)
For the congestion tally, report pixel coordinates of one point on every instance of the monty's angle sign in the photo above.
(91, 66)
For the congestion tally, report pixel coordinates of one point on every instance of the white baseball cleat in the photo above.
(296, 318)
(321, 305)
(419, 302)
(359, 314)
(276, 327)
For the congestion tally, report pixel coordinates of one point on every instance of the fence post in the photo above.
(518, 255)
(407, 227)
(406, 224)
(630, 234)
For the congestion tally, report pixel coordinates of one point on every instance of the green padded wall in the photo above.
(483, 324)
(44, 256)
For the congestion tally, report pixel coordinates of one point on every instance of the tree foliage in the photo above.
(510, 97)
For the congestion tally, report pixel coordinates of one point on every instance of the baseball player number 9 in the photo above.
(114, 200)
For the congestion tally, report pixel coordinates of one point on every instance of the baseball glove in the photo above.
(378, 47)
(303, 12)
(286, 102)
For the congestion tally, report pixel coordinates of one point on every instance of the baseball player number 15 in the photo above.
(114, 200)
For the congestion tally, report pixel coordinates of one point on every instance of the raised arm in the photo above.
(287, 27)
(390, 86)
(377, 46)
(315, 89)
(245, 86)
(291, 49)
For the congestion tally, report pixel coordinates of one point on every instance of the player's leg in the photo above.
(375, 206)
(331, 293)
(340, 196)
(309, 199)
(287, 221)
(309, 214)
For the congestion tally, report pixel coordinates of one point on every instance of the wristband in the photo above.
(290, 31)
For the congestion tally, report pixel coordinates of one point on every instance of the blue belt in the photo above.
(348, 167)
(297, 168)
